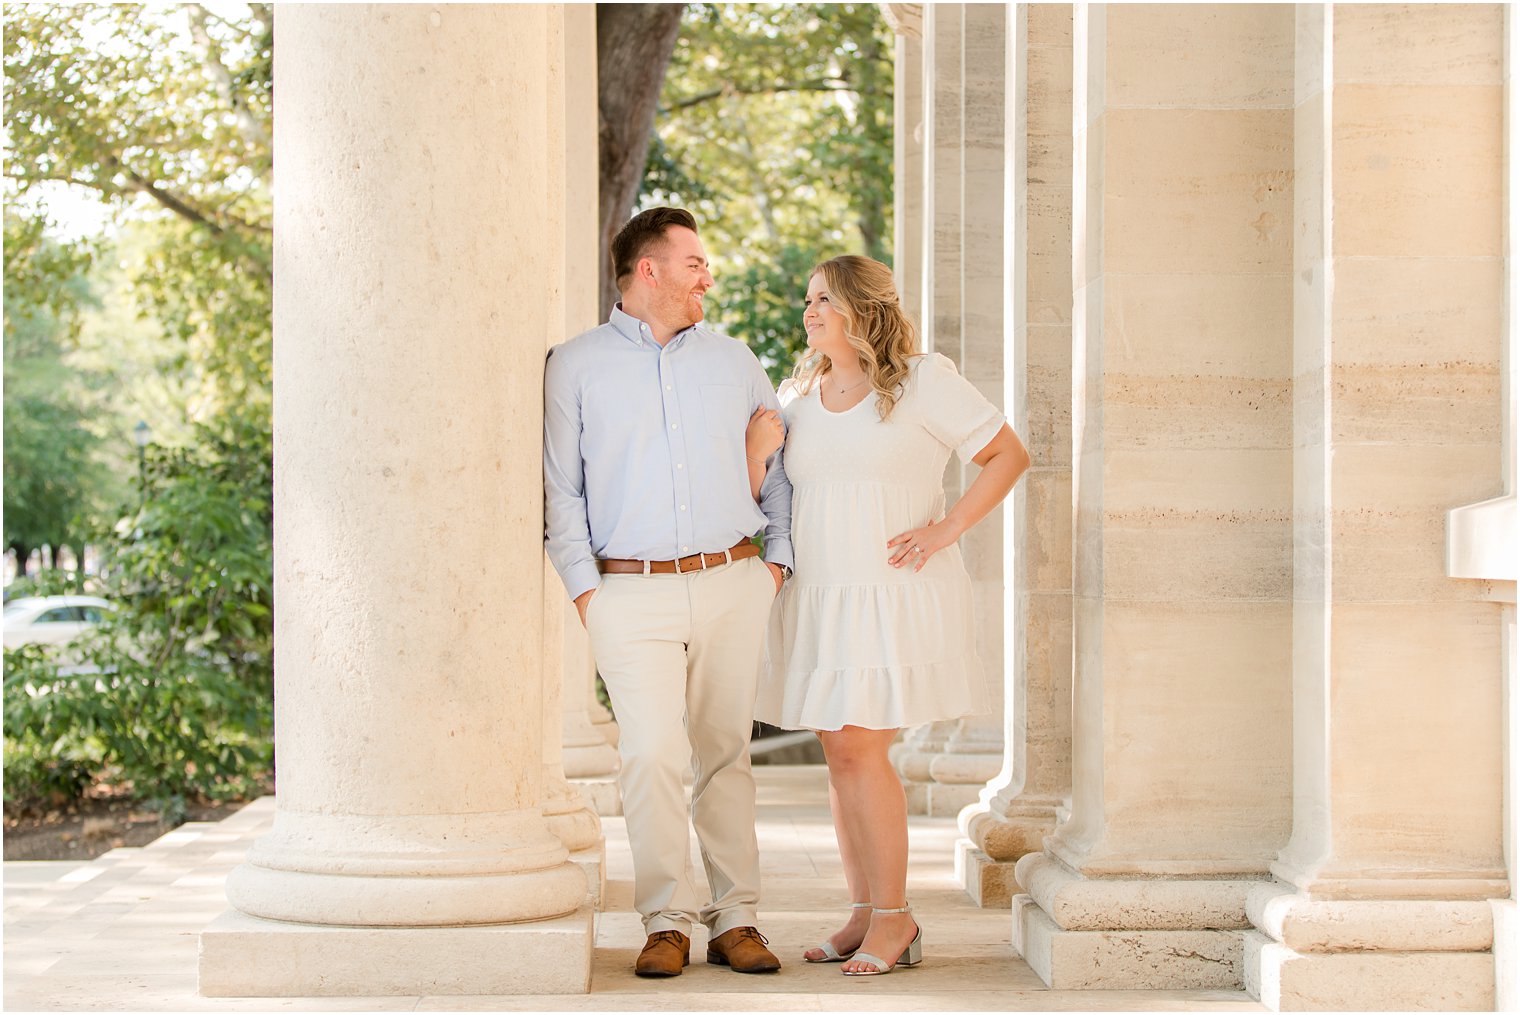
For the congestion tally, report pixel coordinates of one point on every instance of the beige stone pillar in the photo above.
(1182, 433)
(1397, 668)
(939, 315)
(973, 752)
(410, 852)
(573, 240)
(945, 765)
(590, 762)
(1018, 808)
(908, 154)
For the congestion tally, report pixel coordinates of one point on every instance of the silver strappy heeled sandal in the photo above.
(830, 953)
(911, 956)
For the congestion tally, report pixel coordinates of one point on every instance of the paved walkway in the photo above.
(121, 932)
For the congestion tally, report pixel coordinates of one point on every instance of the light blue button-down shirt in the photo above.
(644, 450)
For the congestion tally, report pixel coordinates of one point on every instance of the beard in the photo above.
(685, 309)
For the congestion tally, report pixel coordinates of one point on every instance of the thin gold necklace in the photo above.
(852, 387)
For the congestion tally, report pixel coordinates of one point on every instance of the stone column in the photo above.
(940, 314)
(1397, 668)
(973, 751)
(572, 240)
(908, 155)
(945, 765)
(590, 762)
(410, 852)
(1018, 808)
(1182, 432)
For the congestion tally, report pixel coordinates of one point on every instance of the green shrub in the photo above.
(172, 693)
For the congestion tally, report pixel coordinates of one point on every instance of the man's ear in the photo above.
(645, 270)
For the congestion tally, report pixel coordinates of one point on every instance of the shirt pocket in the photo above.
(725, 410)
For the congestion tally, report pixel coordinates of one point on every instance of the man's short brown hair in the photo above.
(644, 231)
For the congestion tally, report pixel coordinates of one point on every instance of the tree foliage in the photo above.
(163, 113)
(55, 481)
(775, 128)
(172, 693)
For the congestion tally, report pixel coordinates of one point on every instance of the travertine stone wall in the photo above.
(1018, 808)
(1398, 417)
(410, 849)
(1182, 420)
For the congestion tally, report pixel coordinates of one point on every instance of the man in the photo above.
(648, 519)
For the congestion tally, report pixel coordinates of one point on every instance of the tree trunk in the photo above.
(633, 47)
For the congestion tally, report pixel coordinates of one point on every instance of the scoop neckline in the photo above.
(842, 412)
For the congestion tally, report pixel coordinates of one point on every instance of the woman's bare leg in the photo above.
(847, 938)
(867, 794)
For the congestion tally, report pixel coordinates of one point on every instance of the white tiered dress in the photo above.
(854, 641)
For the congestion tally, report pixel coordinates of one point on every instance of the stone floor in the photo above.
(120, 933)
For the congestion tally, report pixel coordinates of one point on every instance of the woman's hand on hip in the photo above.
(914, 547)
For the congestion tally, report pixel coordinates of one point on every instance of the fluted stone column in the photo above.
(908, 154)
(1182, 433)
(1397, 846)
(410, 852)
(1019, 807)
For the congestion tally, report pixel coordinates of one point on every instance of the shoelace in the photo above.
(752, 932)
(673, 936)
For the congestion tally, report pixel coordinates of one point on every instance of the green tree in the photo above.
(172, 693)
(775, 128)
(164, 114)
(56, 484)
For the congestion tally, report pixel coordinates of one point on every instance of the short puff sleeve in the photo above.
(953, 411)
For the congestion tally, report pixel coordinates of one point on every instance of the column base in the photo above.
(1287, 980)
(593, 862)
(1125, 959)
(995, 840)
(1506, 954)
(946, 800)
(242, 956)
(603, 793)
(989, 882)
(1369, 954)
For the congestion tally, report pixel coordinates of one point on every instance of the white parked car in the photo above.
(51, 620)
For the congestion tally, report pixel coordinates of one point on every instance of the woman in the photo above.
(874, 631)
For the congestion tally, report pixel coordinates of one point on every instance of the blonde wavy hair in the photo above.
(861, 290)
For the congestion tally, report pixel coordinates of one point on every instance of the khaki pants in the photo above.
(680, 655)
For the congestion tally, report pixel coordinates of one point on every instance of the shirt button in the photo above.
(680, 465)
(667, 387)
(675, 426)
(683, 507)
(685, 548)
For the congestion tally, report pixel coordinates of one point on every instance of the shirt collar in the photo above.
(635, 330)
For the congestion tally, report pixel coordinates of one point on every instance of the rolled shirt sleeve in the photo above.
(955, 412)
(776, 490)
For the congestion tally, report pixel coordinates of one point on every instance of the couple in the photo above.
(651, 426)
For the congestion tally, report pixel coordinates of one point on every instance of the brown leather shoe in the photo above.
(743, 949)
(664, 954)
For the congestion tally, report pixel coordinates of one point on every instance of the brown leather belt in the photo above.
(696, 562)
